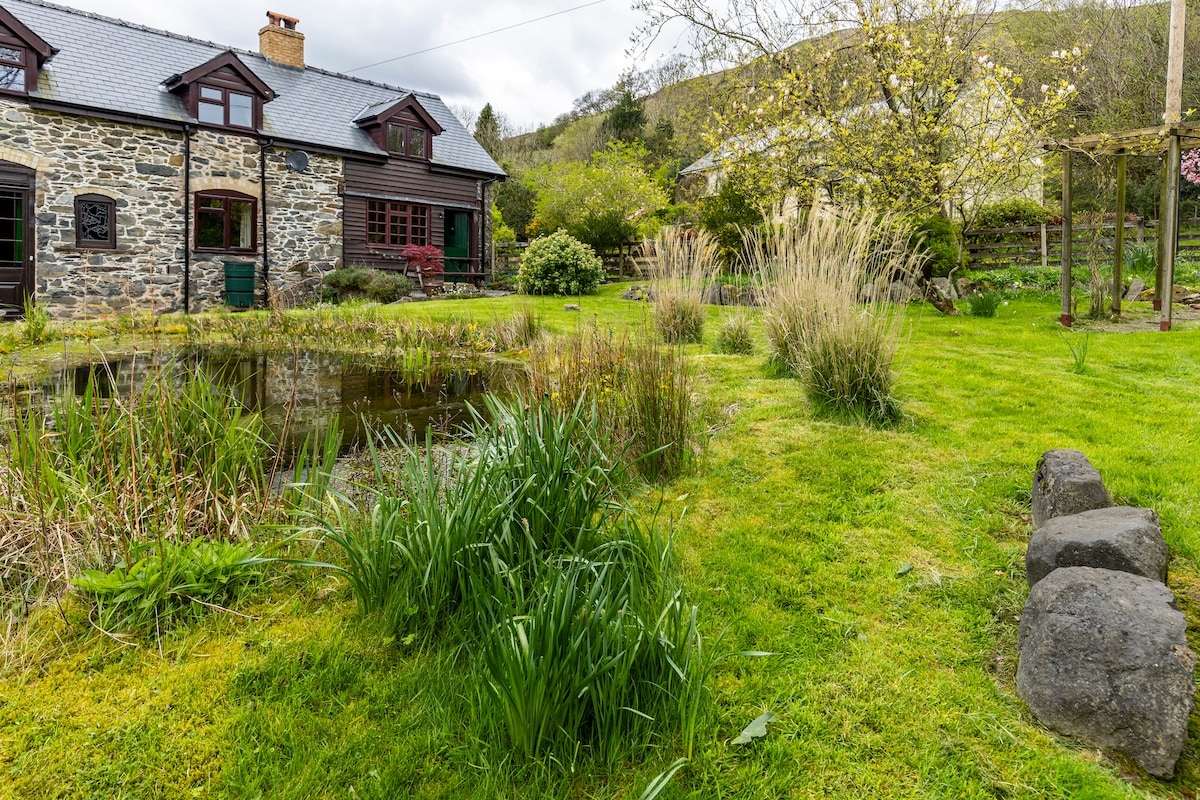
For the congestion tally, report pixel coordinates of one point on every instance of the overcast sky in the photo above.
(530, 73)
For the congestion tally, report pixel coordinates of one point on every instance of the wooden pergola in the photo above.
(1171, 140)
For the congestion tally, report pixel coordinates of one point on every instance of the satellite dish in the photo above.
(297, 160)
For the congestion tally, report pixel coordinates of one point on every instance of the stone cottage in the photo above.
(136, 164)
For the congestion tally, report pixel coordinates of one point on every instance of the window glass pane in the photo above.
(241, 110)
(211, 202)
(416, 142)
(395, 138)
(12, 77)
(94, 221)
(241, 223)
(210, 230)
(208, 93)
(211, 113)
(12, 54)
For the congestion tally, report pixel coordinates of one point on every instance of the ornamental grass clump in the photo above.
(736, 335)
(821, 280)
(684, 263)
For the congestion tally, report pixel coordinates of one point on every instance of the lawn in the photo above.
(882, 568)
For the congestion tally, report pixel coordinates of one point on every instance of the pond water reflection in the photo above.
(300, 393)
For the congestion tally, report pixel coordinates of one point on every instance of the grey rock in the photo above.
(571, 307)
(713, 294)
(1103, 657)
(901, 292)
(965, 286)
(945, 288)
(730, 296)
(1065, 483)
(1119, 538)
(751, 297)
(155, 169)
(1136, 287)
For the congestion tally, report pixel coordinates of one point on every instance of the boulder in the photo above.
(944, 287)
(1136, 287)
(712, 294)
(751, 297)
(965, 286)
(1120, 538)
(571, 307)
(729, 295)
(1065, 483)
(1103, 657)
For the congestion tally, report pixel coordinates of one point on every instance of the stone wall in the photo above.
(141, 169)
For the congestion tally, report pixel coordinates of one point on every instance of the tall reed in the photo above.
(684, 263)
(642, 391)
(827, 322)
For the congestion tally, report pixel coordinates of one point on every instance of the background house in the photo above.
(135, 163)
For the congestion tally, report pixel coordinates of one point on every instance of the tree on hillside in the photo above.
(600, 201)
(626, 120)
(488, 131)
(867, 104)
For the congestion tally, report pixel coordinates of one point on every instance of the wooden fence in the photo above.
(628, 259)
(1000, 247)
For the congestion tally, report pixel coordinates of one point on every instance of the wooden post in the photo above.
(1045, 248)
(1170, 231)
(1174, 106)
(1066, 319)
(1141, 230)
(1159, 239)
(1118, 287)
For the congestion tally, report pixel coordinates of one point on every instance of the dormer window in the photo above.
(22, 52)
(401, 126)
(223, 92)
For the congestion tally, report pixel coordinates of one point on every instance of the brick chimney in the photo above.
(279, 40)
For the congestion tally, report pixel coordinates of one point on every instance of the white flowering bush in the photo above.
(559, 264)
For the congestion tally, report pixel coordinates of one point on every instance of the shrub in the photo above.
(726, 216)
(684, 264)
(984, 304)
(812, 276)
(937, 239)
(559, 264)
(735, 336)
(427, 260)
(1015, 213)
(373, 284)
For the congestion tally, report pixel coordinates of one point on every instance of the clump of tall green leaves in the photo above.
(684, 263)
(523, 546)
(822, 281)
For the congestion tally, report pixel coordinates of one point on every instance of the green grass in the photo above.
(795, 534)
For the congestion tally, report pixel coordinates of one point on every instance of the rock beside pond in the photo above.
(1103, 657)
(1119, 538)
(1065, 483)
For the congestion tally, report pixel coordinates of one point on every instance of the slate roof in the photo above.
(110, 65)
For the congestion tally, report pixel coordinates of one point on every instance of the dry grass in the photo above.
(822, 280)
(685, 262)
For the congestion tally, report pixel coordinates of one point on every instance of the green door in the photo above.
(458, 245)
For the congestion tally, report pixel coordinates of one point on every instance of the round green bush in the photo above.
(559, 264)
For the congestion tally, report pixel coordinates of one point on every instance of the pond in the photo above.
(300, 393)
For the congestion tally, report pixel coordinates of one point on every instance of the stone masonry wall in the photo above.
(141, 169)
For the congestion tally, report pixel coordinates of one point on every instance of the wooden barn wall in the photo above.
(400, 178)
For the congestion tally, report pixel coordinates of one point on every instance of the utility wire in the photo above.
(478, 35)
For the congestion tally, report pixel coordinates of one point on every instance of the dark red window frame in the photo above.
(394, 224)
(23, 63)
(401, 145)
(81, 240)
(225, 213)
(225, 105)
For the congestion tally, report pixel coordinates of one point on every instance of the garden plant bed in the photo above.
(882, 567)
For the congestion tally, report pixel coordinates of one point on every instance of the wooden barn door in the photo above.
(16, 238)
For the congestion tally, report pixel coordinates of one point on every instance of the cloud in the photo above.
(530, 73)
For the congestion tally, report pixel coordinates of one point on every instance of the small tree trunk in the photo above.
(942, 304)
